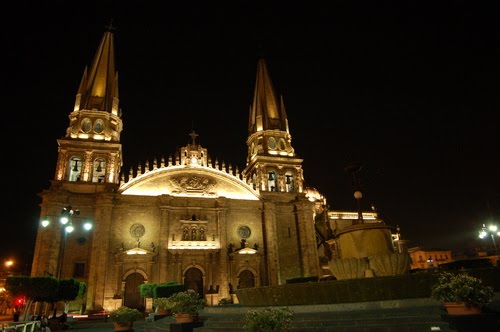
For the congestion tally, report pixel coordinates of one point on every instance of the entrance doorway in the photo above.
(246, 279)
(193, 279)
(133, 298)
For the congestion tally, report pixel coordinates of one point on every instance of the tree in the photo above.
(33, 289)
(68, 291)
(44, 289)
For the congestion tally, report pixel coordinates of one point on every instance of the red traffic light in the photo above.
(19, 301)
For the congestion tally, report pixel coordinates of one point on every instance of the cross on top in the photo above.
(193, 137)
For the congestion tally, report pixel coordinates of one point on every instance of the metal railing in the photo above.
(32, 326)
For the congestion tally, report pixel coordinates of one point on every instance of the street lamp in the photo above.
(491, 230)
(8, 265)
(353, 169)
(66, 220)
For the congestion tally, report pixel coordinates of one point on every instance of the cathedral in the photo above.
(189, 219)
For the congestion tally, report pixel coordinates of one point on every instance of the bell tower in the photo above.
(91, 150)
(272, 165)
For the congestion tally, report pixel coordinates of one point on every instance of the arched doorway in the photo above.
(246, 279)
(193, 279)
(133, 298)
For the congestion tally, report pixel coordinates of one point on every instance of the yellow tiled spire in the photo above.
(99, 87)
(266, 112)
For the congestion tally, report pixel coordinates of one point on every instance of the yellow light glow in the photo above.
(247, 251)
(136, 251)
(194, 245)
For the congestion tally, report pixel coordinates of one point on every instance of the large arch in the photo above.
(189, 181)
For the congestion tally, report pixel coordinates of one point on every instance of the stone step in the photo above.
(386, 320)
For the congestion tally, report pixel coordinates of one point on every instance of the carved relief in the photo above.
(137, 231)
(192, 183)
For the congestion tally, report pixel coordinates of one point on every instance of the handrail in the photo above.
(21, 327)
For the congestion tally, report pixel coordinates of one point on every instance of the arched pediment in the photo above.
(189, 181)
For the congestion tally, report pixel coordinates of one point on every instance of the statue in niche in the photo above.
(230, 247)
(256, 246)
(243, 243)
(185, 234)
(193, 234)
(153, 247)
(202, 234)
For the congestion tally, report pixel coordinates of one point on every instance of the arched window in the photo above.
(99, 170)
(75, 168)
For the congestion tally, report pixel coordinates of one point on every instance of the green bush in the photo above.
(162, 303)
(167, 289)
(125, 315)
(188, 302)
(461, 287)
(268, 319)
(302, 279)
(147, 290)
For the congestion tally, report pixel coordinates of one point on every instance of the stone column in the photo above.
(271, 259)
(100, 253)
(307, 235)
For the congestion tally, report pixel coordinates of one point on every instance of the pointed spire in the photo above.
(266, 112)
(99, 86)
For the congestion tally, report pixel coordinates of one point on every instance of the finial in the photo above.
(110, 26)
(261, 51)
(193, 137)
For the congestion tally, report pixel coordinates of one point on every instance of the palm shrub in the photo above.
(268, 320)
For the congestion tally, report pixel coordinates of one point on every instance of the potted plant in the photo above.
(124, 318)
(162, 306)
(185, 305)
(461, 293)
(268, 320)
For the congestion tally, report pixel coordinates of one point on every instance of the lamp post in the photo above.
(66, 220)
(353, 169)
(491, 230)
(8, 265)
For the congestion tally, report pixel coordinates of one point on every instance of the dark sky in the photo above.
(409, 89)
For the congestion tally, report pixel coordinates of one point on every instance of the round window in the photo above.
(282, 144)
(86, 125)
(271, 143)
(244, 232)
(99, 126)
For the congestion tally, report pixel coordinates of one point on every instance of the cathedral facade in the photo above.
(188, 219)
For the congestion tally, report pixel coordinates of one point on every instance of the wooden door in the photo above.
(133, 298)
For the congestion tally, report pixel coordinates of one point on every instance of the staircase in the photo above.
(367, 317)
(379, 320)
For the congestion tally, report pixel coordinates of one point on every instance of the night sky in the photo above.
(409, 89)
